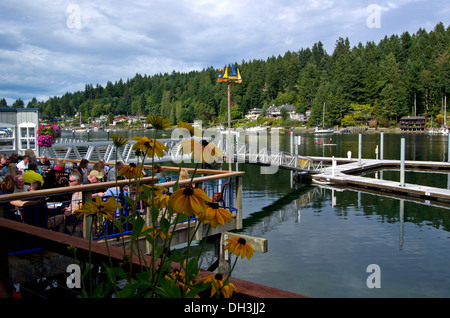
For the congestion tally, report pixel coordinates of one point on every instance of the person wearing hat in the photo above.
(93, 177)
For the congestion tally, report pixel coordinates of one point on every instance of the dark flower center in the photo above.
(188, 191)
(218, 276)
(242, 241)
(213, 205)
(205, 143)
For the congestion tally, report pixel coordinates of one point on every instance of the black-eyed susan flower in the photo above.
(179, 278)
(162, 201)
(218, 287)
(189, 201)
(202, 150)
(158, 122)
(156, 189)
(215, 215)
(239, 247)
(98, 208)
(187, 126)
(155, 232)
(130, 171)
(150, 146)
(119, 141)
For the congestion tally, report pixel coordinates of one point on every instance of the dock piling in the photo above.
(359, 148)
(402, 162)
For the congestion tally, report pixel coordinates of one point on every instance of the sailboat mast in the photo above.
(323, 113)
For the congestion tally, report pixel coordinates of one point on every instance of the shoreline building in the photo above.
(253, 113)
(18, 129)
(275, 112)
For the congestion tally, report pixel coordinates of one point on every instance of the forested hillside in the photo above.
(407, 74)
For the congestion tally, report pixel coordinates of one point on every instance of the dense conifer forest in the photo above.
(407, 74)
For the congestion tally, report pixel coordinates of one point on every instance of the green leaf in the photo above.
(154, 212)
(138, 225)
(130, 201)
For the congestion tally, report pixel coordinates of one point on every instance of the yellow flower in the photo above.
(130, 171)
(215, 215)
(149, 146)
(98, 208)
(202, 151)
(158, 122)
(118, 140)
(187, 126)
(155, 189)
(239, 246)
(162, 201)
(180, 278)
(155, 232)
(189, 201)
(218, 287)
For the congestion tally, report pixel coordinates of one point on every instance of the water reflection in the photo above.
(321, 239)
(284, 209)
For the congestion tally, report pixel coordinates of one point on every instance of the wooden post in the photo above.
(4, 269)
(224, 266)
(87, 221)
(258, 244)
(238, 202)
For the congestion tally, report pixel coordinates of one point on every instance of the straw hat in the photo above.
(96, 173)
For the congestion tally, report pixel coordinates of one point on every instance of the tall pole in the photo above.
(229, 154)
(235, 78)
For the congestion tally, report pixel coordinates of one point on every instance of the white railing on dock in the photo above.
(241, 153)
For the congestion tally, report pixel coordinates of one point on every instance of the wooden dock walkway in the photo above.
(345, 175)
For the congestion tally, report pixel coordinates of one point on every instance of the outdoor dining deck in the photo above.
(211, 181)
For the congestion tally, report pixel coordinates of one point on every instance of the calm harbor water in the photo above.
(321, 240)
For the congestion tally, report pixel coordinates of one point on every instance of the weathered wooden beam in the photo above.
(259, 244)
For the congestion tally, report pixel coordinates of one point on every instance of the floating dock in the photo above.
(345, 174)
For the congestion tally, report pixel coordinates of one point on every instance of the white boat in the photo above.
(256, 128)
(226, 131)
(444, 129)
(319, 130)
(323, 130)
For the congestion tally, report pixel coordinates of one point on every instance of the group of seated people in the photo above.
(56, 212)
(26, 173)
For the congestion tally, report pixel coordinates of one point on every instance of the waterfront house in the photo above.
(253, 113)
(18, 128)
(412, 123)
(275, 111)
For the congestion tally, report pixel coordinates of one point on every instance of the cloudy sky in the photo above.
(50, 47)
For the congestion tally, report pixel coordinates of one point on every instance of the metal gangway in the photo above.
(241, 152)
(246, 153)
